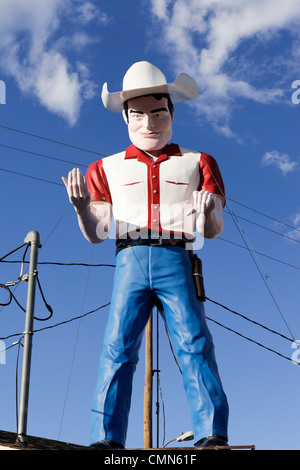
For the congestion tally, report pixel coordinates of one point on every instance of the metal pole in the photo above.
(148, 385)
(157, 378)
(33, 239)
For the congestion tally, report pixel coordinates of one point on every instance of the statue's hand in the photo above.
(203, 202)
(77, 189)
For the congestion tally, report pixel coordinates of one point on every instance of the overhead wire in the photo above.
(43, 155)
(51, 140)
(264, 215)
(250, 320)
(102, 264)
(112, 265)
(251, 340)
(260, 253)
(265, 228)
(264, 277)
(97, 265)
(56, 325)
(56, 225)
(255, 257)
(9, 284)
(79, 317)
(74, 349)
(23, 277)
(31, 177)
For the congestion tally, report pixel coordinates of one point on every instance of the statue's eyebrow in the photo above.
(159, 109)
(136, 111)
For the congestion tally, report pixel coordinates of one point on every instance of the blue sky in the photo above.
(54, 58)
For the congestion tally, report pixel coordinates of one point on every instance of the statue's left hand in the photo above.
(203, 202)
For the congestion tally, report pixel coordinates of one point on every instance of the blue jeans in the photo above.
(142, 271)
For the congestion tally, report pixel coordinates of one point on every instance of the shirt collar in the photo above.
(170, 150)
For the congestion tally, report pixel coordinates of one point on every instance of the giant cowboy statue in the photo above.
(155, 190)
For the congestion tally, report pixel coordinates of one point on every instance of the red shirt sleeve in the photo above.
(97, 182)
(210, 176)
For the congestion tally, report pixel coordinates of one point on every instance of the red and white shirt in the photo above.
(153, 196)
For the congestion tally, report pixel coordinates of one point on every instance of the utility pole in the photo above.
(32, 239)
(148, 384)
(157, 378)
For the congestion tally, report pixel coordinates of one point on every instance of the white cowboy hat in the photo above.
(143, 78)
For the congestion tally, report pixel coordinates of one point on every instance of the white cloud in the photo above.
(205, 39)
(88, 12)
(39, 64)
(280, 161)
(58, 88)
(160, 8)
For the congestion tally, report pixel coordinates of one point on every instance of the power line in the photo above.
(208, 318)
(31, 177)
(13, 251)
(265, 215)
(249, 320)
(265, 228)
(42, 155)
(260, 268)
(65, 322)
(252, 340)
(51, 140)
(90, 265)
(60, 263)
(104, 305)
(74, 350)
(97, 265)
(259, 253)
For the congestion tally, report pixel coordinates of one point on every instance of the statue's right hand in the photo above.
(77, 189)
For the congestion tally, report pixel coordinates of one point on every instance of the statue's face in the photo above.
(149, 123)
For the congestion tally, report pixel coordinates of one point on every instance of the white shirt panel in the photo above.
(127, 181)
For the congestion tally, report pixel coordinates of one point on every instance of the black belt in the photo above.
(151, 242)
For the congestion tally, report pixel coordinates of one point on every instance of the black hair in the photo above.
(157, 96)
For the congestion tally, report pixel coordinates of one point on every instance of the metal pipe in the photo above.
(157, 377)
(33, 239)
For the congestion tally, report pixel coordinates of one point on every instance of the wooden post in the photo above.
(148, 385)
